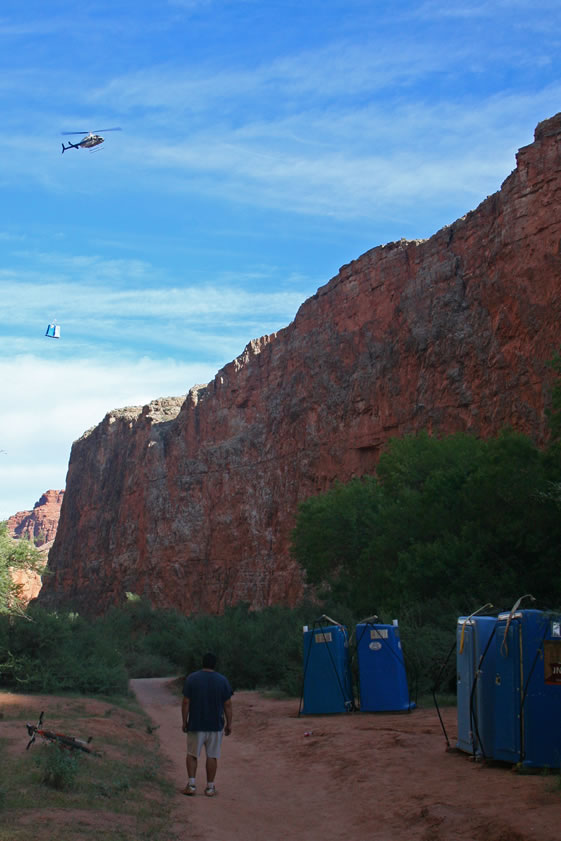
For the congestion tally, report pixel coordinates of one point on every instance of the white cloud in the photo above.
(284, 82)
(223, 305)
(50, 404)
(205, 323)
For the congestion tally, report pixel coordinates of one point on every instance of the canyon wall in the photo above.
(191, 501)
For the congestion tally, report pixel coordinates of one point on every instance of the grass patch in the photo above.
(51, 793)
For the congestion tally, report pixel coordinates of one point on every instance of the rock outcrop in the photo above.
(39, 525)
(30, 583)
(191, 501)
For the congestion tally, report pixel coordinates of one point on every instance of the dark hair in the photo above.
(209, 661)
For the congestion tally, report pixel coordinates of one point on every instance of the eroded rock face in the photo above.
(191, 501)
(29, 583)
(40, 524)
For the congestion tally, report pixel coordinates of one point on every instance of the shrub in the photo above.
(58, 767)
(52, 652)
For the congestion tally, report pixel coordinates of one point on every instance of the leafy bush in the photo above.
(58, 767)
(51, 652)
(146, 664)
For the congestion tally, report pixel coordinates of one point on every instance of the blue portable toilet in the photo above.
(327, 676)
(475, 665)
(528, 689)
(53, 331)
(381, 669)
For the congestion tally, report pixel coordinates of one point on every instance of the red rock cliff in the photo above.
(192, 501)
(39, 525)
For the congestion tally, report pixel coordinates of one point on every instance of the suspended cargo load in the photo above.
(528, 689)
(381, 669)
(53, 331)
(475, 662)
(327, 676)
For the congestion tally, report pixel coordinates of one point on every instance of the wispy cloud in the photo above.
(355, 163)
(52, 403)
(205, 322)
(338, 69)
(208, 300)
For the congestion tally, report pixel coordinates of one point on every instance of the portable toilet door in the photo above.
(508, 688)
(528, 689)
(475, 665)
(327, 685)
(465, 672)
(541, 698)
(381, 669)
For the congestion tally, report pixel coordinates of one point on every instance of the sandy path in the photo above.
(358, 777)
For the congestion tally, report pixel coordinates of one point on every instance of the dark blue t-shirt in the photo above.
(207, 693)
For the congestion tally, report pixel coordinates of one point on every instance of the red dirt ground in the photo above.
(355, 777)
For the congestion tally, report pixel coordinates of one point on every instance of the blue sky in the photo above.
(263, 145)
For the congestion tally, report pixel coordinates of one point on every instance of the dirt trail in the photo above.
(356, 777)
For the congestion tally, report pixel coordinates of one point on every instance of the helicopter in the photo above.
(91, 139)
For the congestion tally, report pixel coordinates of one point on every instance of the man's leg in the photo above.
(211, 766)
(191, 763)
(191, 766)
(212, 746)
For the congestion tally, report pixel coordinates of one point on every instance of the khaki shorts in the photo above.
(211, 739)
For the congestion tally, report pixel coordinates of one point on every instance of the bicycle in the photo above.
(67, 742)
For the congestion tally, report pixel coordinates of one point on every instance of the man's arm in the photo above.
(185, 712)
(228, 716)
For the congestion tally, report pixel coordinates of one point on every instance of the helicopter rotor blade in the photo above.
(97, 131)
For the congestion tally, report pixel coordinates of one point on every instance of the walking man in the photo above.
(206, 710)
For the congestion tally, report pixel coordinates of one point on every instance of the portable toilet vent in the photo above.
(381, 669)
(53, 331)
(475, 663)
(528, 688)
(327, 686)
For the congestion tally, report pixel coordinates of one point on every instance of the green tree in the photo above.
(15, 555)
(446, 525)
(331, 533)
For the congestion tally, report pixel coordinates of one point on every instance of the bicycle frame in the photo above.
(68, 742)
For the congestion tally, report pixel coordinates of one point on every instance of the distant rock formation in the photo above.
(39, 525)
(191, 501)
